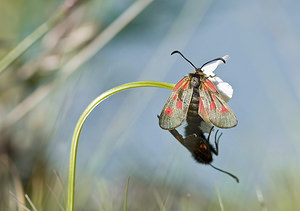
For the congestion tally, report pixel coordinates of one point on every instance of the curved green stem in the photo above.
(84, 115)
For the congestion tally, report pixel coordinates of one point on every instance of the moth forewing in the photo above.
(225, 118)
(197, 90)
(215, 108)
(175, 110)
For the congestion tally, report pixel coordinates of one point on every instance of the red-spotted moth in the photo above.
(199, 145)
(195, 95)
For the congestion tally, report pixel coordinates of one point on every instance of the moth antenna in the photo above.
(223, 60)
(226, 172)
(185, 58)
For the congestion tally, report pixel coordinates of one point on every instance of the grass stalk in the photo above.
(37, 34)
(126, 195)
(83, 117)
(220, 199)
(74, 63)
(188, 196)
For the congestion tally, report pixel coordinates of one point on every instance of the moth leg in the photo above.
(211, 129)
(217, 139)
(177, 135)
(214, 150)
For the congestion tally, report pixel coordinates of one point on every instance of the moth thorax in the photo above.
(195, 82)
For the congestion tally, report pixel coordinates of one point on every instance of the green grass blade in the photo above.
(126, 195)
(37, 34)
(188, 196)
(220, 199)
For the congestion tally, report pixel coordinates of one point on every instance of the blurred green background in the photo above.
(43, 93)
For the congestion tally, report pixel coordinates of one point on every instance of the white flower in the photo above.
(224, 88)
(210, 68)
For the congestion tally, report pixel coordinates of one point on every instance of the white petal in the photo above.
(224, 88)
(226, 57)
(210, 68)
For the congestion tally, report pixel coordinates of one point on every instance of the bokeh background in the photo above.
(98, 45)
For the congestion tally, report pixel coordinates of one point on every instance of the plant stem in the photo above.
(84, 115)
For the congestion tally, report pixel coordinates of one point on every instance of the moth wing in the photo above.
(212, 107)
(175, 110)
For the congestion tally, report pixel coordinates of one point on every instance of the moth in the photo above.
(199, 145)
(196, 95)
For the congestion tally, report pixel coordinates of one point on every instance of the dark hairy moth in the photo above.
(196, 96)
(199, 145)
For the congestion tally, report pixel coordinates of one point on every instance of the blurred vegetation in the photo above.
(29, 104)
(24, 167)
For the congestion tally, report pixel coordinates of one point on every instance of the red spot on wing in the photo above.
(201, 108)
(168, 111)
(211, 85)
(205, 88)
(185, 86)
(212, 105)
(179, 105)
(214, 96)
(223, 110)
(178, 85)
(175, 96)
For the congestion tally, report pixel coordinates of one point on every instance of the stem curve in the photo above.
(83, 117)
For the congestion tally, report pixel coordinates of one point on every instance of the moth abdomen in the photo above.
(192, 114)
